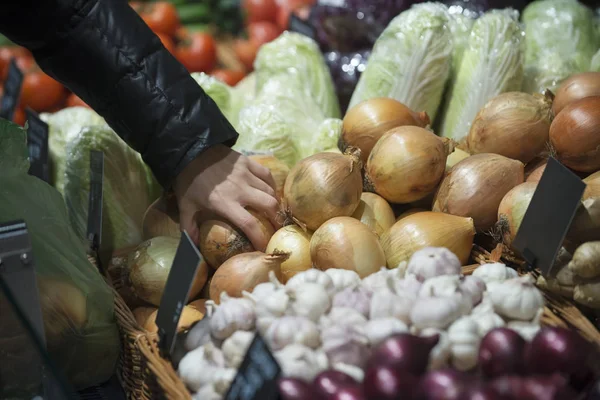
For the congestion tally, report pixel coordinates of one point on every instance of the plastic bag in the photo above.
(77, 304)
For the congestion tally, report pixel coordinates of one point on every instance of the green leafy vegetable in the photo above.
(217, 90)
(492, 64)
(242, 95)
(595, 64)
(411, 60)
(14, 157)
(328, 135)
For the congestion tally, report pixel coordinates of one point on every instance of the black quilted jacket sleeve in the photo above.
(106, 54)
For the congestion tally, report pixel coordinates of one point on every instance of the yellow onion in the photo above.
(586, 224)
(575, 135)
(515, 125)
(323, 186)
(199, 305)
(576, 87)
(428, 229)
(219, 240)
(512, 209)
(346, 243)
(593, 186)
(410, 211)
(366, 122)
(161, 218)
(475, 187)
(243, 272)
(189, 316)
(293, 240)
(148, 269)
(533, 173)
(141, 314)
(455, 157)
(375, 212)
(279, 169)
(407, 164)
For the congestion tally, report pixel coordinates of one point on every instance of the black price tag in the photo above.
(257, 376)
(94, 223)
(300, 26)
(549, 216)
(176, 293)
(12, 91)
(37, 142)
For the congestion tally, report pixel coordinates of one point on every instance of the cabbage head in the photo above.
(299, 58)
(460, 26)
(492, 64)
(217, 90)
(327, 136)
(129, 187)
(63, 126)
(411, 60)
(242, 95)
(595, 64)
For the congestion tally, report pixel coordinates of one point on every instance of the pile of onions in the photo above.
(323, 186)
(576, 87)
(161, 218)
(407, 164)
(346, 243)
(586, 224)
(243, 272)
(428, 229)
(575, 135)
(219, 240)
(294, 240)
(366, 122)
(533, 173)
(593, 186)
(455, 157)
(148, 269)
(475, 187)
(513, 124)
(409, 212)
(512, 209)
(374, 212)
(146, 318)
(199, 305)
(279, 169)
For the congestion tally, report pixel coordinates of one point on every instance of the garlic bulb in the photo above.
(357, 297)
(485, 306)
(233, 314)
(430, 262)
(266, 289)
(271, 308)
(527, 330)
(235, 346)
(409, 286)
(440, 354)
(487, 322)
(207, 392)
(494, 272)
(436, 312)
(440, 286)
(474, 287)
(346, 344)
(516, 298)
(342, 316)
(312, 275)
(201, 367)
(343, 278)
(377, 330)
(386, 304)
(464, 338)
(351, 370)
(298, 361)
(223, 380)
(309, 300)
(379, 280)
(289, 330)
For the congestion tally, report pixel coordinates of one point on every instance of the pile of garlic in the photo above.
(331, 319)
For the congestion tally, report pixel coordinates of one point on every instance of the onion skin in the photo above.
(407, 164)
(443, 384)
(536, 174)
(366, 122)
(475, 187)
(243, 272)
(161, 219)
(329, 382)
(455, 157)
(189, 316)
(409, 212)
(375, 212)
(295, 389)
(383, 382)
(292, 239)
(199, 305)
(575, 135)
(513, 207)
(404, 352)
(323, 186)
(346, 243)
(428, 229)
(576, 87)
(514, 124)
(141, 314)
(501, 353)
(593, 186)
(279, 170)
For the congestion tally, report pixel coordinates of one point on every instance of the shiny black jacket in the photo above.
(106, 54)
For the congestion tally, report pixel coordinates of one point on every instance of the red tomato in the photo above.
(160, 16)
(197, 52)
(167, 42)
(75, 101)
(40, 91)
(263, 32)
(19, 117)
(246, 52)
(260, 10)
(24, 62)
(229, 76)
(9, 52)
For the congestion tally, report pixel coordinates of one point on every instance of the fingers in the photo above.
(261, 185)
(262, 172)
(187, 222)
(262, 202)
(241, 218)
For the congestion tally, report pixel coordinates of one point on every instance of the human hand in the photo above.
(224, 182)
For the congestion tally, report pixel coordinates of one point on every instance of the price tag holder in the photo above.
(177, 291)
(300, 26)
(37, 142)
(257, 376)
(94, 222)
(12, 91)
(549, 216)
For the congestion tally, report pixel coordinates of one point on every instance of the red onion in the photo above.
(483, 392)
(509, 386)
(501, 353)
(557, 350)
(349, 393)
(550, 387)
(443, 384)
(387, 383)
(295, 389)
(404, 352)
(329, 382)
